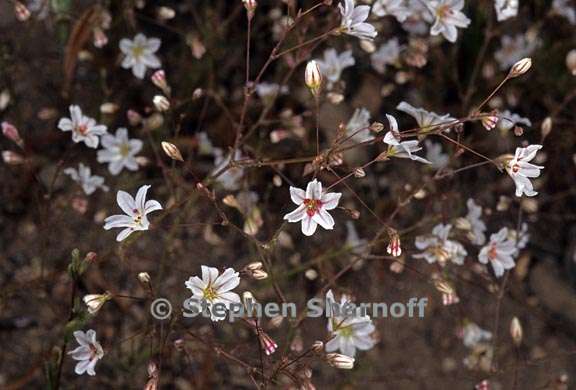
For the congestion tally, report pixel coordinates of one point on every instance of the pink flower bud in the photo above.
(267, 344)
(159, 80)
(100, 38)
(11, 132)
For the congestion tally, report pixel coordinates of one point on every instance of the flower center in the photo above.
(443, 11)
(312, 206)
(93, 351)
(82, 129)
(492, 253)
(515, 167)
(346, 331)
(209, 293)
(137, 51)
(441, 254)
(125, 150)
(137, 217)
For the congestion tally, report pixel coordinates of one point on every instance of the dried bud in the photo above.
(161, 103)
(489, 121)
(571, 61)
(520, 67)
(516, 331)
(377, 127)
(359, 172)
(313, 77)
(94, 302)
(12, 158)
(444, 287)
(546, 127)
(159, 80)
(317, 347)
(394, 247)
(21, 11)
(172, 151)
(144, 277)
(259, 274)
(340, 361)
(11, 132)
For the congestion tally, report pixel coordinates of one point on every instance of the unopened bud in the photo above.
(520, 67)
(161, 103)
(259, 274)
(250, 6)
(313, 77)
(516, 331)
(518, 131)
(12, 158)
(165, 13)
(94, 302)
(144, 277)
(359, 172)
(159, 80)
(21, 11)
(377, 127)
(489, 121)
(571, 61)
(108, 108)
(340, 361)
(100, 38)
(90, 257)
(317, 347)
(172, 151)
(11, 132)
(394, 247)
(546, 127)
(367, 46)
(268, 345)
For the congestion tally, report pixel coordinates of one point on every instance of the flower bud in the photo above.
(108, 108)
(340, 361)
(394, 247)
(165, 13)
(134, 118)
(11, 132)
(144, 277)
(318, 346)
(377, 127)
(268, 345)
(12, 158)
(516, 331)
(172, 151)
(489, 121)
(21, 11)
(159, 80)
(313, 77)
(250, 6)
(100, 38)
(161, 103)
(259, 274)
(571, 61)
(546, 127)
(90, 257)
(94, 302)
(359, 172)
(520, 67)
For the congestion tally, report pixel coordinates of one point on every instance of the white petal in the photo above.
(126, 203)
(297, 195)
(308, 226)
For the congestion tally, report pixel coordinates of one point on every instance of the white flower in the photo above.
(88, 353)
(215, 289)
(232, 177)
(359, 125)
(507, 120)
(83, 128)
(83, 176)
(438, 247)
(447, 18)
(514, 49)
(435, 155)
(477, 234)
(313, 206)
(401, 149)
(94, 302)
(119, 151)
(500, 252)
(521, 170)
(333, 64)
(267, 91)
(387, 54)
(136, 213)
(427, 121)
(506, 9)
(359, 247)
(349, 332)
(396, 8)
(472, 335)
(139, 54)
(522, 237)
(353, 20)
(565, 9)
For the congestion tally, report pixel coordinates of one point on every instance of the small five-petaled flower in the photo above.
(139, 54)
(88, 353)
(83, 128)
(521, 170)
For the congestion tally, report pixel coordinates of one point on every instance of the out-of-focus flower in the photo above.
(100, 38)
(139, 54)
(12, 158)
(521, 170)
(435, 155)
(94, 302)
(83, 128)
(516, 331)
(359, 125)
(333, 64)
(427, 121)
(161, 103)
(514, 49)
(119, 151)
(21, 11)
(88, 353)
(448, 18)
(438, 248)
(387, 54)
(340, 361)
(136, 211)
(509, 119)
(358, 246)
(349, 332)
(269, 91)
(506, 9)
(401, 149)
(566, 9)
(472, 335)
(500, 252)
(232, 177)
(484, 385)
(313, 206)
(83, 176)
(473, 223)
(354, 20)
(313, 77)
(11, 132)
(215, 289)
(396, 8)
